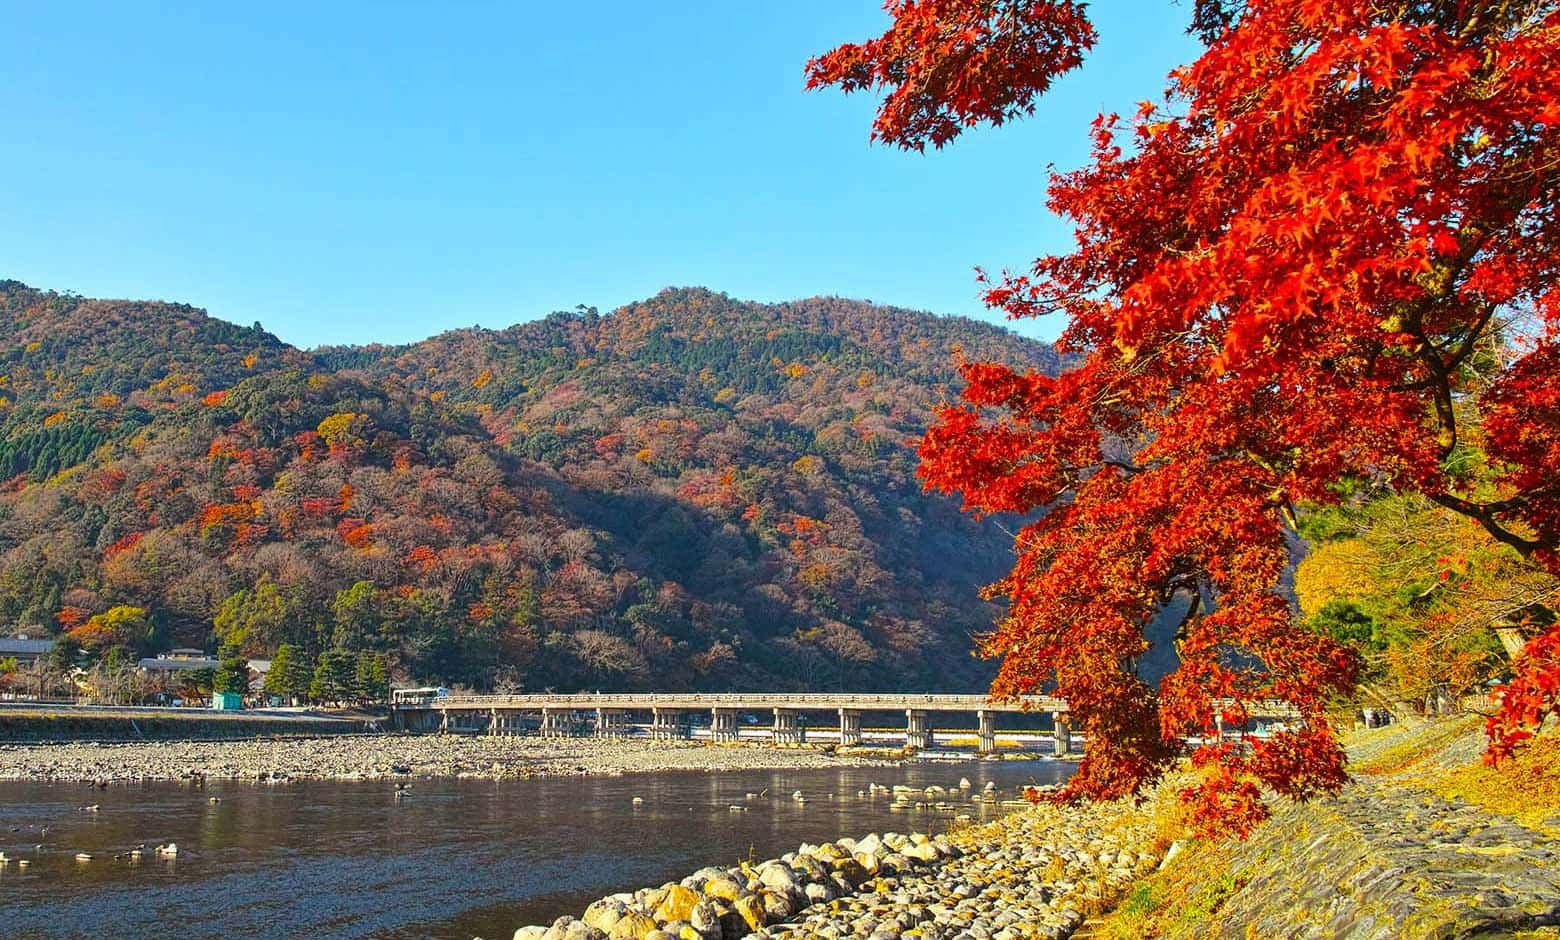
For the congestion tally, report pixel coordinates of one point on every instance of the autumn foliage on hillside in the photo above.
(690, 492)
(1326, 255)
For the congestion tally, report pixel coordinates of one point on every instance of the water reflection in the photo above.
(449, 859)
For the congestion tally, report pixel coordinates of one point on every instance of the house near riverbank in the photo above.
(179, 660)
(27, 652)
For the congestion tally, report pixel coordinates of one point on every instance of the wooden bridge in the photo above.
(670, 714)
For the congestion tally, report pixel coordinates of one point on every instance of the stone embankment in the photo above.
(25, 723)
(1035, 873)
(1396, 854)
(382, 756)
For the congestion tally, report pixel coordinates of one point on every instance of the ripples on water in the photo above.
(456, 859)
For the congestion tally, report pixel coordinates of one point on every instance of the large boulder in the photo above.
(677, 903)
(724, 887)
(869, 861)
(851, 870)
(605, 913)
(530, 933)
(750, 907)
(567, 928)
(704, 919)
(809, 868)
(921, 851)
(777, 877)
(632, 926)
(648, 899)
(778, 906)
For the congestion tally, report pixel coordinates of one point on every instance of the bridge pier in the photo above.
(1063, 733)
(787, 729)
(723, 724)
(610, 722)
(918, 733)
(987, 723)
(850, 727)
(665, 723)
(557, 722)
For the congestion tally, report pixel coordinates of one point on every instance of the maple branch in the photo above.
(1484, 515)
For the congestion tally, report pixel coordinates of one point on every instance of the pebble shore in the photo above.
(1039, 872)
(384, 756)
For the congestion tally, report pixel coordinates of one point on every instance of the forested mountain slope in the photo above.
(690, 492)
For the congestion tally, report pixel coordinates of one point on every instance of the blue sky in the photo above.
(385, 172)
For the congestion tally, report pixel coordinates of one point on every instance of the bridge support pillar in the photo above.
(918, 734)
(850, 727)
(610, 722)
(987, 723)
(444, 721)
(557, 722)
(1063, 733)
(665, 723)
(723, 724)
(492, 727)
(787, 729)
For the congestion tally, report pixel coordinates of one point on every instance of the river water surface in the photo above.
(454, 859)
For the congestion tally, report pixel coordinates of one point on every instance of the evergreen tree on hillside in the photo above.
(335, 678)
(232, 673)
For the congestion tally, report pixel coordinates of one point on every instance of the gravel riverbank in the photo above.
(379, 756)
(1038, 872)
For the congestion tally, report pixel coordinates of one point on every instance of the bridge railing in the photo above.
(802, 701)
(753, 700)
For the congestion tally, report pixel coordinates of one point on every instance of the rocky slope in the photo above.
(1398, 854)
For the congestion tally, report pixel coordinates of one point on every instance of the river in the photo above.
(453, 859)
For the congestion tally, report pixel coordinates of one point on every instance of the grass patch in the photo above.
(1525, 787)
(1178, 899)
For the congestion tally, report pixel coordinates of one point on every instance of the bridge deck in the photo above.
(749, 701)
(762, 701)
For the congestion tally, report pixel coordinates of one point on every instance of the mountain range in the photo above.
(689, 492)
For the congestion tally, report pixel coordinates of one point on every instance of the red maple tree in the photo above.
(1283, 275)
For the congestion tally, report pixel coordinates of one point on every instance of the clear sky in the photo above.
(385, 172)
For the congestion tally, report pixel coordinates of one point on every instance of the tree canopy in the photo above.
(691, 492)
(1325, 257)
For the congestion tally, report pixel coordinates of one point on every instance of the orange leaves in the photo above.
(219, 514)
(1528, 699)
(952, 64)
(356, 532)
(70, 617)
(316, 507)
(213, 399)
(123, 544)
(422, 558)
(1277, 288)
